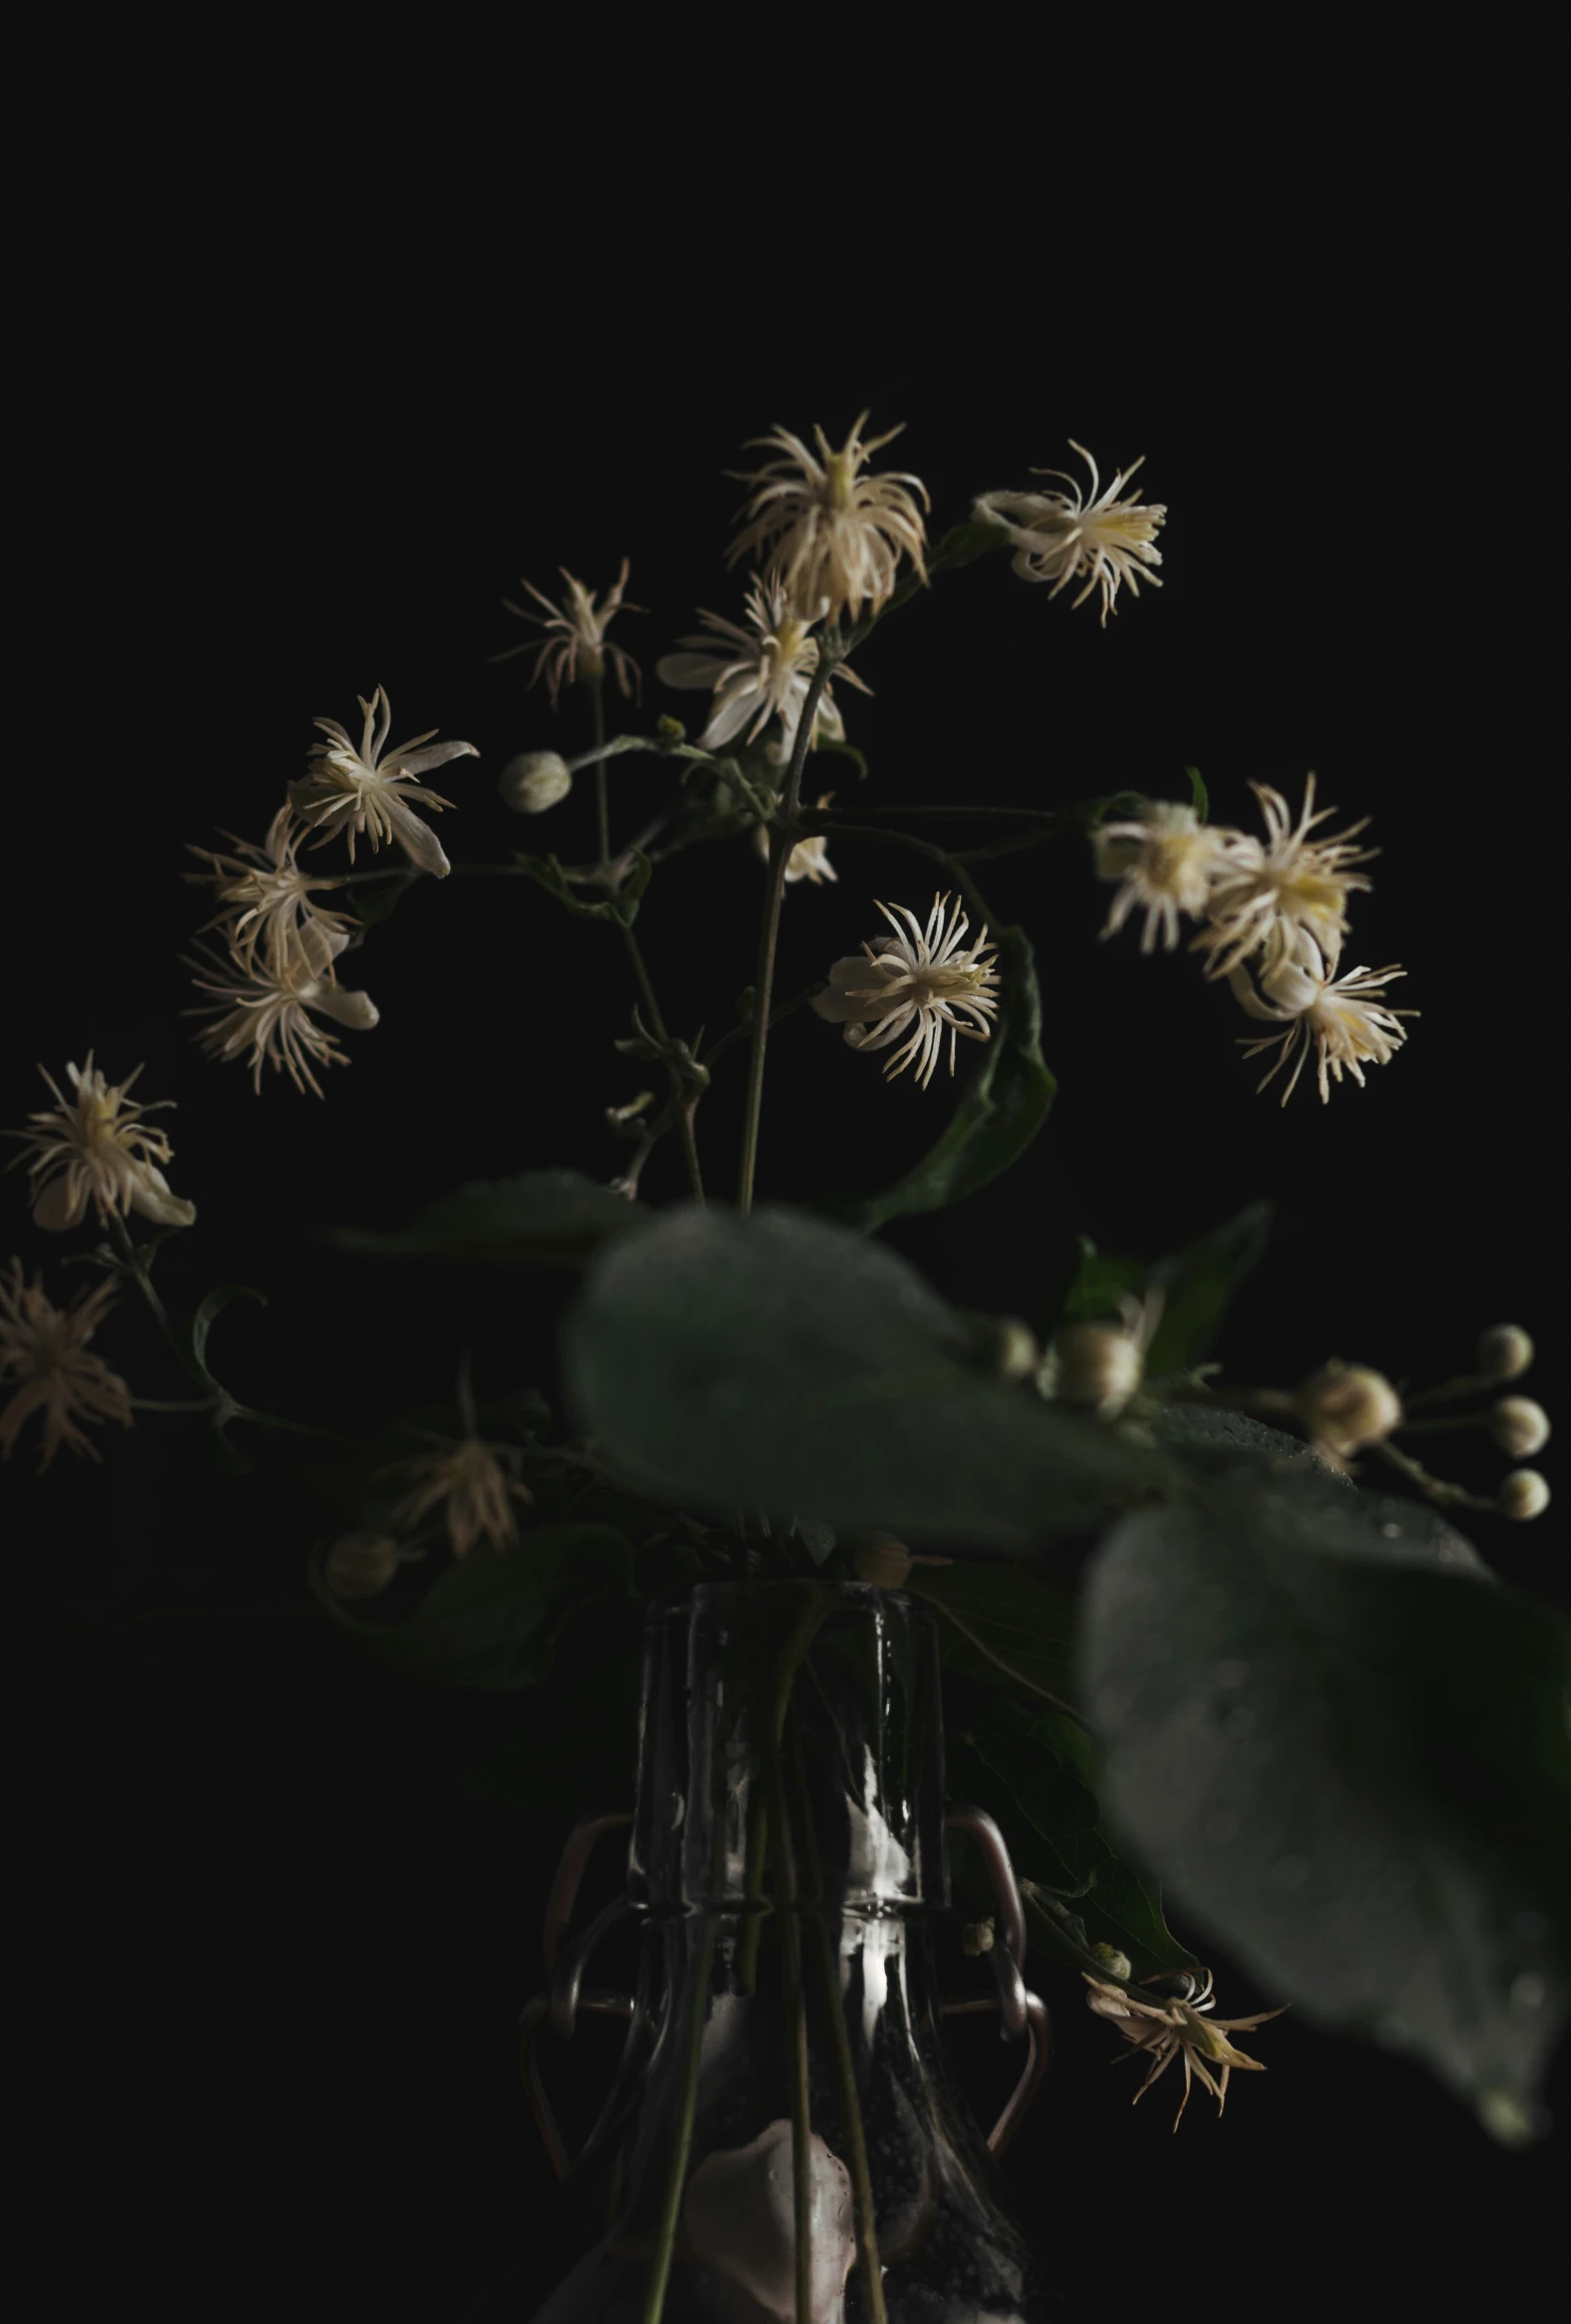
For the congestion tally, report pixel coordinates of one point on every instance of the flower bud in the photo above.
(1524, 1494)
(1346, 1406)
(1095, 1365)
(1519, 1427)
(1115, 1963)
(882, 1560)
(534, 781)
(360, 1565)
(1504, 1351)
(977, 1937)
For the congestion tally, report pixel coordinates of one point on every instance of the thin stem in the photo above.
(683, 1105)
(782, 838)
(682, 2141)
(602, 806)
(1434, 1489)
(953, 864)
(998, 1661)
(136, 1268)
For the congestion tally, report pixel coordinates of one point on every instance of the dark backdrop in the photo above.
(326, 340)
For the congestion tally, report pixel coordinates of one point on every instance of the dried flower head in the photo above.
(575, 645)
(835, 537)
(1287, 884)
(1178, 2029)
(92, 1147)
(1166, 860)
(476, 1481)
(928, 979)
(44, 1355)
(760, 674)
(264, 1010)
(1059, 537)
(366, 789)
(265, 898)
(808, 858)
(1345, 1022)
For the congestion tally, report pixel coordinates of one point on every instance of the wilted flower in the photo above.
(575, 644)
(1345, 1022)
(808, 858)
(264, 1010)
(352, 791)
(475, 1481)
(1166, 860)
(1166, 2030)
(266, 898)
(759, 674)
(92, 1147)
(928, 978)
(44, 1353)
(835, 537)
(1058, 538)
(1288, 883)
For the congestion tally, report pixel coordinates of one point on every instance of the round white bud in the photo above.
(883, 1561)
(1346, 1406)
(1504, 1351)
(1519, 1427)
(534, 781)
(360, 1565)
(976, 1938)
(1115, 1963)
(1524, 1494)
(1095, 1365)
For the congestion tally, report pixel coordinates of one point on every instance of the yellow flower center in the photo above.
(838, 471)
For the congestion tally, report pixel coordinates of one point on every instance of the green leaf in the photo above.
(377, 901)
(1352, 1765)
(1010, 1625)
(1051, 1770)
(784, 1363)
(211, 1308)
(492, 1618)
(1099, 1283)
(622, 907)
(997, 1118)
(1199, 1284)
(1199, 795)
(539, 1218)
(962, 545)
(842, 750)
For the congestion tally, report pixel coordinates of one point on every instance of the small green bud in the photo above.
(534, 781)
(360, 1565)
(1115, 1963)
(976, 1938)
(670, 730)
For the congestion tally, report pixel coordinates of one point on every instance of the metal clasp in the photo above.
(1021, 2013)
(559, 2005)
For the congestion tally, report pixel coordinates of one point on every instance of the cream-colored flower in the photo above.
(835, 537)
(1345, 1021)
(808, 858)
(92, 1147)
(1058, 538)
(265, 897)
(925, 978)
(44, 1355)
(762, 674)
(1166, 2030)
(477, 1482)
(575, 644)
(1286, 882)
(1166, 860)
(1343, 1407)
(367, 790)
(264, 1010)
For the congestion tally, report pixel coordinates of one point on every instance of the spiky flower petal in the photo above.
(44, 1355)
(762, 674)
(1345, 1022)
(92, 1147)
(365, 788)
(265, 1011)
(1063, 537)
(927, 979)
(265, 899)
(1287, 884)
(477, 1482)
(1165, 2030)
(834, 536)
(575, 645)
(1166, 860)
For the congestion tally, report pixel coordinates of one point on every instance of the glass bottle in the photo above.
(789, 1841)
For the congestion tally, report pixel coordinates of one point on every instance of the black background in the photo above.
(325, 340)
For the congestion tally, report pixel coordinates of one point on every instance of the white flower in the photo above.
(808, 858)
(1343, 1407)
(761, 675)
(353, 791)
(1166, 860)
(43, 1353)
(264, 1010)
(1288, 883)
(475, 1480)
(266, 898)
(1346, 1022)
(926, 978)
(575, 644)
(1166, 2030)
(835, 537)
(1057, 538)
(91, 1147)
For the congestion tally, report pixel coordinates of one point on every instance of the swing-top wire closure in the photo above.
(1022, 2014)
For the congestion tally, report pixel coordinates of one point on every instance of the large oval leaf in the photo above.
(779, 1363)
(1353, 1765)
(540, 1217)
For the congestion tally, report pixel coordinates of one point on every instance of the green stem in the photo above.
(681, 2142)
(939, 855)
(782, 838)
(136, 1268)
(1434, 1489)
(602, 804)
(683, 1106)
